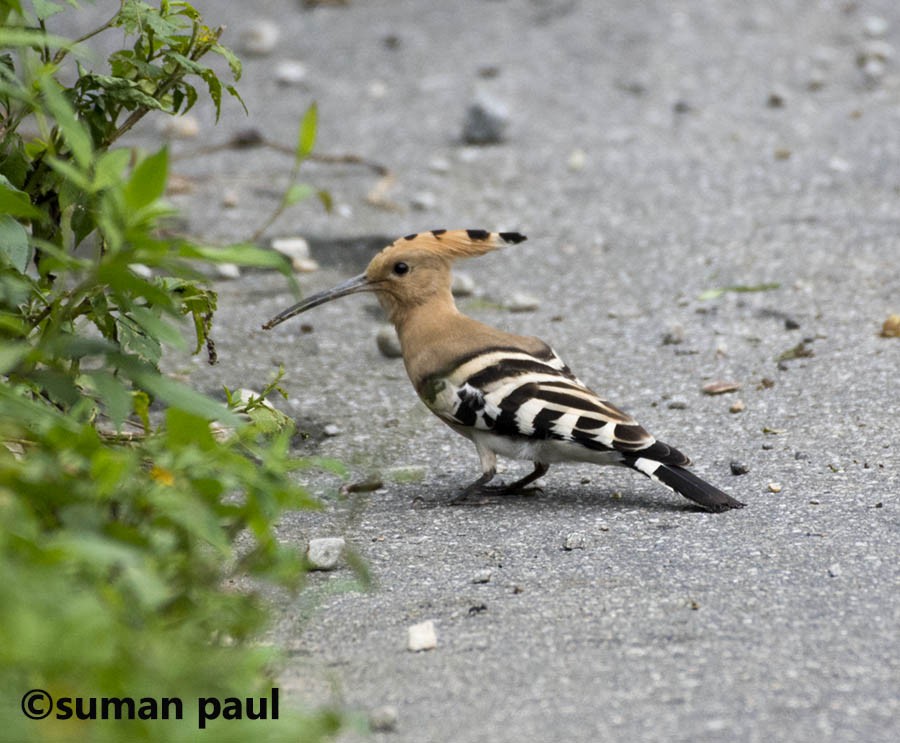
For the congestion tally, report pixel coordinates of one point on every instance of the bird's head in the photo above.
(409, 271)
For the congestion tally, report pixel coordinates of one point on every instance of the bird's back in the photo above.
(516, 390)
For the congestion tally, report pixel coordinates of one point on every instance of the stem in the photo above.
(45, 53)
(277, 212)
(61, 54)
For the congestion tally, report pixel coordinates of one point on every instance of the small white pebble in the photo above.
(304, 265)
(737, 406)
(332, 429)
(383, 719)
(422, 636)
(297, 249)
(439, 165)
(180, 127)
(577, 160)
(482, 576)
(775, 487)
(838, 165)
(388, 343)
(228, 271)
(874, 70)
(875, 26)
(292, 247)
(423, 201)
(521, 302)
(834, 570)
(574, 541)
(259, 38)
(468, 154)
(325, 553)
(377, 89)
(290, 72)
(462, 284)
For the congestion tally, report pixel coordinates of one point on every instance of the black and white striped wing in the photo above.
(517, 394)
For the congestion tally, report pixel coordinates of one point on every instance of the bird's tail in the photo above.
(686, 483)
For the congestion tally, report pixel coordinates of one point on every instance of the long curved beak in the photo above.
(351, 286)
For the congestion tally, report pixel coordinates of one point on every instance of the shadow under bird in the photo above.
(509, 394)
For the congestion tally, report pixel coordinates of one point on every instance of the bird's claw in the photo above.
(483, 492)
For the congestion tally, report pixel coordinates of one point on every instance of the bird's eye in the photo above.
(401, 268)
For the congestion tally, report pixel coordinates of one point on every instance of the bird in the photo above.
(511, 395)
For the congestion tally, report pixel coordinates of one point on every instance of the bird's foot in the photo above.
(479, 494)
(514, 488)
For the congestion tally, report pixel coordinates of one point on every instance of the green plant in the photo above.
(118, 545)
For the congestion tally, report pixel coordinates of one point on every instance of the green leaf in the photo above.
(215, 91)
(134, 340)
(325, 198)
(9, 5)
(157, 328)
(233, 62)
(112, 393)
(306, 137)
(243, 254)
(16, 203)
(23, 37)
(45, 9)
(297, 192)
(14, 247)
(181, 396)
(58, 386)
(148, 181)
(11, 354)
(72, 129)
(183, 429)
(234, 94)
(69, 172)
(141, 402)
(109, 168)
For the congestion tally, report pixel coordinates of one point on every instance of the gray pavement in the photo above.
(655, 151)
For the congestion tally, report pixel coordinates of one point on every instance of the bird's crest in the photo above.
(454, 244)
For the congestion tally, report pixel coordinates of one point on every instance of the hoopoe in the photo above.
(509, 394)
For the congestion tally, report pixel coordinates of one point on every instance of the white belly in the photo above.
(543, 451)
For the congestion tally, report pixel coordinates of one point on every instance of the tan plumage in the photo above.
(509, 394)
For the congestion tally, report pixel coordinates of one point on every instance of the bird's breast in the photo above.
(456, 404)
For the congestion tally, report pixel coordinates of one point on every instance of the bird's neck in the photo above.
(422, 325)
(430, 334)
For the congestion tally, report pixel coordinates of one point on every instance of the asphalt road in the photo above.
(655, 151)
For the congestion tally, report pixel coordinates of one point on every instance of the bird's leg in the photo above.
(481, 487)
(518, 487)
(476, 488)
(488, 470)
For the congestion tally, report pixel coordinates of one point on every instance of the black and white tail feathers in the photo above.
(686, 483)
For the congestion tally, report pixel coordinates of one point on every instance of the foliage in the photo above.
(125, 518)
